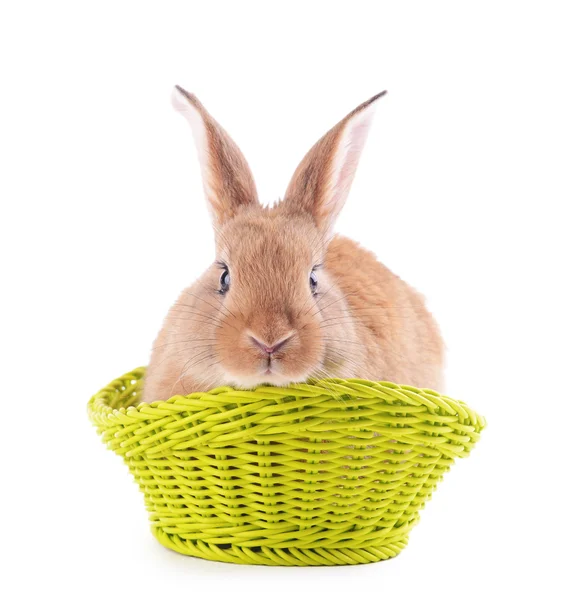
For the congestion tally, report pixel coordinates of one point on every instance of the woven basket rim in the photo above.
(433, 401)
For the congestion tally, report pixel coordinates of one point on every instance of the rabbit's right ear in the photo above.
(227, 179)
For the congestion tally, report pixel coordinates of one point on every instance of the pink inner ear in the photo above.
(345, 161)
(195, 120)
(227, 179)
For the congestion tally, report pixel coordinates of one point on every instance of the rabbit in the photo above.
(286, 300)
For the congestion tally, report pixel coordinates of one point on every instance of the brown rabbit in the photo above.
(285, 300)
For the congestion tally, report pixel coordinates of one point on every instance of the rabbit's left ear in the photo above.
(321, 182)
(227, 179)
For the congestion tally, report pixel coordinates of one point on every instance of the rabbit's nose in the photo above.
(272, 347)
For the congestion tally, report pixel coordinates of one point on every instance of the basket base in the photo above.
(286, 557)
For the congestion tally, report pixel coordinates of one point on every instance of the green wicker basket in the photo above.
(329, 473)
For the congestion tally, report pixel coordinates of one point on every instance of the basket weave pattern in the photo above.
(332, 473)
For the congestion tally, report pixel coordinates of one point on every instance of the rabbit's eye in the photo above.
(224, 282)
(313, 280)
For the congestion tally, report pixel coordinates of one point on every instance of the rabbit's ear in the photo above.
(322, 180)
(227, 179)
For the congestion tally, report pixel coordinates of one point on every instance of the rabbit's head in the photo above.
(270, 295)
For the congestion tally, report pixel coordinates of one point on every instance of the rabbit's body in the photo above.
(399, 339)
(286, 300)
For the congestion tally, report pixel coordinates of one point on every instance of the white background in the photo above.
(465, 190)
